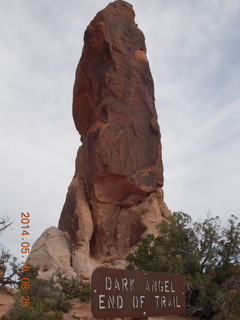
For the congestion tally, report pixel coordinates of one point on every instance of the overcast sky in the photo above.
(193, 49)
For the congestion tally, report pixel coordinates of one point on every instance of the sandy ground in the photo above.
(79, 310)
(6, 301)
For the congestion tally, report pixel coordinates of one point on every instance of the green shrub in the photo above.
(207, 255)
(27, 272)
(35, 312)
(85, 293)
(67, 282)
(8, 268)
(46, 302)
(9, 265)
(73, 296)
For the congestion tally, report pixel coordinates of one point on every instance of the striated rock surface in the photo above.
(116, 194)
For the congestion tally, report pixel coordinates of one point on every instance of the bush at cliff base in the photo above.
(46, 302)
(206, 254)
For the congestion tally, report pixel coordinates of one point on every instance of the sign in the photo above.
(136, 294)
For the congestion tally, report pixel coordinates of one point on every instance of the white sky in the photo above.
(193, 50)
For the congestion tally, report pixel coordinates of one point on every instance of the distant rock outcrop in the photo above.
(116, 194)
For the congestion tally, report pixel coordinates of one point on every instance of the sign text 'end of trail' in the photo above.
(136, 294)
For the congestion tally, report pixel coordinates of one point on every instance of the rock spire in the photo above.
(116, 194)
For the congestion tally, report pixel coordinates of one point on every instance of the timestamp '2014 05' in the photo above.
(25, 249)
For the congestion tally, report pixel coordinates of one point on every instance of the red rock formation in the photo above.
(116, 193)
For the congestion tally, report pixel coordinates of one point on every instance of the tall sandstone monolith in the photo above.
(116, 193)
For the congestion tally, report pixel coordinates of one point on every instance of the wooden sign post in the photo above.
(137, 294)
